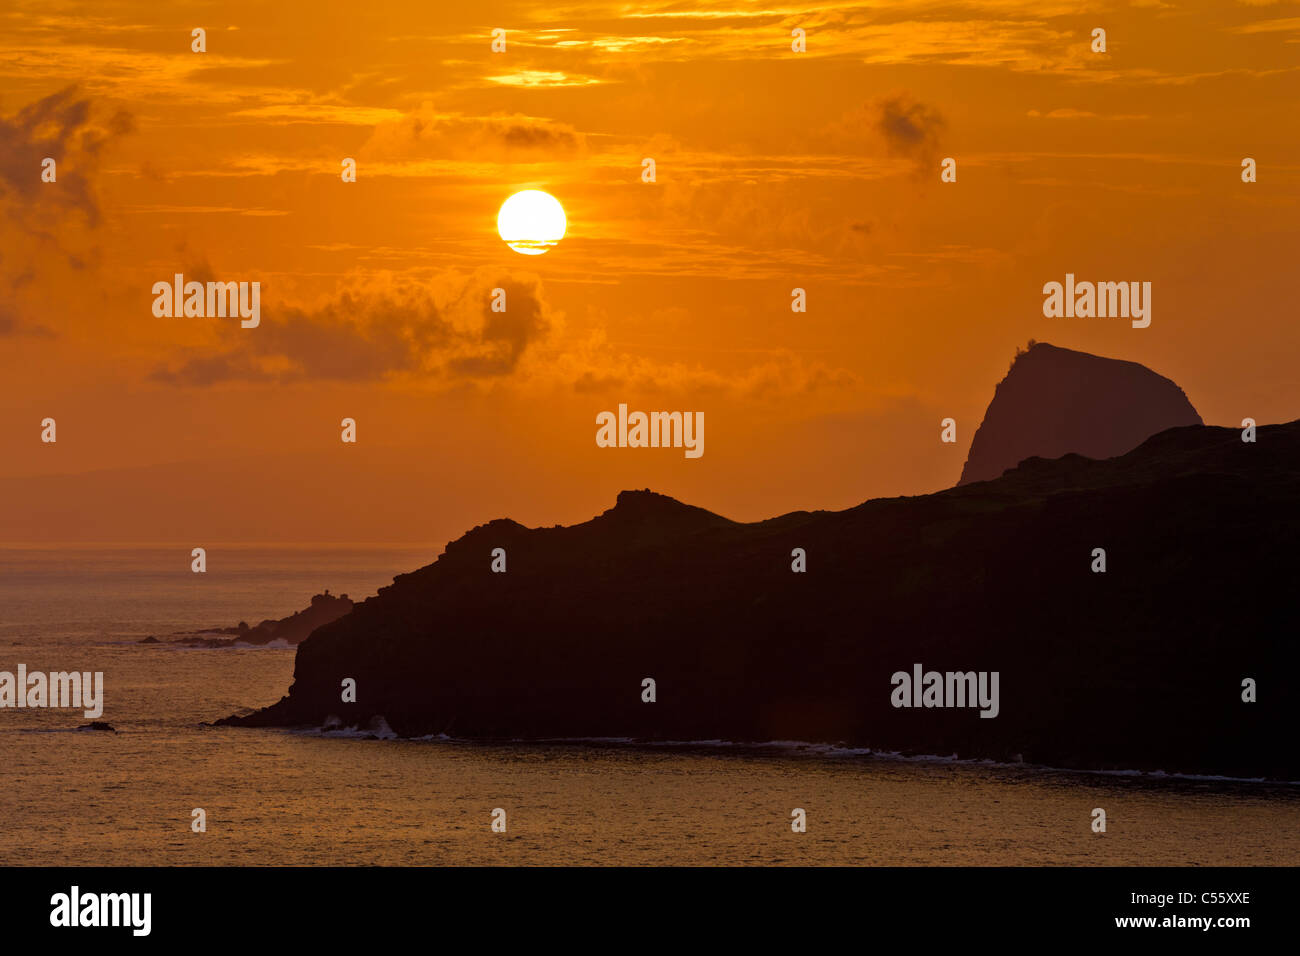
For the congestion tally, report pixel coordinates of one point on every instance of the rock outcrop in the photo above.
(293, 629)
(1056, 401)
(1141, 666)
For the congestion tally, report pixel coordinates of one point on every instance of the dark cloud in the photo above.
(909, 128)
(11, 327)
(897, 123)
(355, 338)
(372, 335)
(523, 132)
(60, 127)
(506, 334)
(211, 369)
(589, 383)
(428, 134)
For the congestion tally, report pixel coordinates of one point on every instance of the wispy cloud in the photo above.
(543, 78)
(60, 127)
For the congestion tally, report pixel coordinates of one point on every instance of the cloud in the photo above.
(60, 127)
(443, 330)
(594, 366)
(427, 133)
(1281, 25)
(50, 237)
(504, 336)
(909, 128)
(11, 327)
(1069, 112)
(535, 79)
(897, 124)
(328, 113)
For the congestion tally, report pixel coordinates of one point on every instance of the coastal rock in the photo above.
(1056, 401)
(1139, 667)
(293, 629)
(100, 725)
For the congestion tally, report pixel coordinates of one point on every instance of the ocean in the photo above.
(81, 797)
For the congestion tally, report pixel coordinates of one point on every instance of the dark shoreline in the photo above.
(1141, 666)
(785, 749)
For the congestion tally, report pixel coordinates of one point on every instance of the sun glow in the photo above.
(531, 222)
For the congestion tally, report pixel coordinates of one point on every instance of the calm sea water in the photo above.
(277, 797)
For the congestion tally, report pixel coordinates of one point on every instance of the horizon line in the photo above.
(168, 545)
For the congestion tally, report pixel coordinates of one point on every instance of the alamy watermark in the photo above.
(947, 689)
(653, 430)
(1084, 300)
(208, 300)
(75, 908)
(57, 689)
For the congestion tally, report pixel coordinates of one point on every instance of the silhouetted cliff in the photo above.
(1138, 667)
(293, 629)
(1056, 401)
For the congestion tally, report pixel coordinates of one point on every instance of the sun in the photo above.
(531, 222)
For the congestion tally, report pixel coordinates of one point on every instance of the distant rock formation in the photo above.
(292, 629)
(1139, 667)
(1055, 402)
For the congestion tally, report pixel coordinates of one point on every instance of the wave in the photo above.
(380, 730)
(376, 729)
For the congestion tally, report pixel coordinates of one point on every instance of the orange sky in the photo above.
(775, 170)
